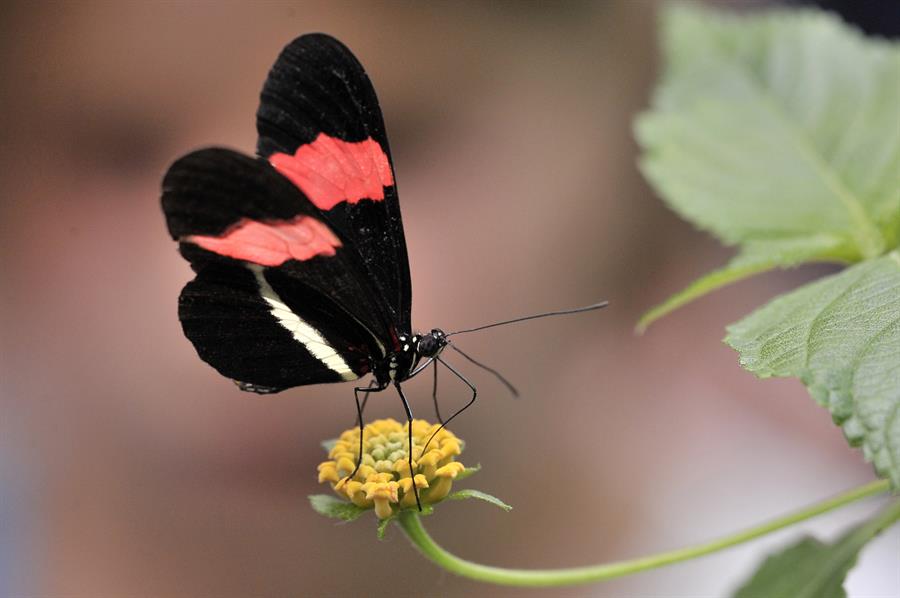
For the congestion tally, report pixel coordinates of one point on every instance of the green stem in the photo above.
(412, 525)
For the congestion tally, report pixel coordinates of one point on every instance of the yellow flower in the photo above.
(383, 480)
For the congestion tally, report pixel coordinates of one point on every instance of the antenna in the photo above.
(564, 312)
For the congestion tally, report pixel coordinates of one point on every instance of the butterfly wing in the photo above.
(280, 299)
(320, 126)
(258, 337)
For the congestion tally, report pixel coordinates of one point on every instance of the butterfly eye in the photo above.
(428, 345)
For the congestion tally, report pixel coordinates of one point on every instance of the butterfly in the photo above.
(302, 273)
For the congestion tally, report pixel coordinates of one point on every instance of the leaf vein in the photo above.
(815, 321)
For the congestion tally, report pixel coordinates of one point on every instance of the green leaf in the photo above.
(331, 506)
(383, 525)
(467, 472)
(466, 494)
(777, 133)
(792, 573)
(813, 569)
(329, 444)
(841, 337)
(755, 257)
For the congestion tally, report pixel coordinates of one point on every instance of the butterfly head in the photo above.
(405, 362)
(431, 344)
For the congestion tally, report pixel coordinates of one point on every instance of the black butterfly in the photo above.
(302, 270)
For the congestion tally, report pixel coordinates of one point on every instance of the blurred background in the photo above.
(128, 467)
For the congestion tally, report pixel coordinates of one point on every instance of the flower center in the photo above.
(383, 479)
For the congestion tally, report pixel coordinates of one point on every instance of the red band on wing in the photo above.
(272, 243)
(330, 170)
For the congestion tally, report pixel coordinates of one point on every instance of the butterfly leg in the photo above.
(409, 420)
(498, 375)
(372, 387)
(437, 411)
(463, 408)
(367, 391)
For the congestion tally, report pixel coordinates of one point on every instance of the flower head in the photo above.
(383, 480)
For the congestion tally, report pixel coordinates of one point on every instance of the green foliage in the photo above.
(813, 569)
(841, 337)
(780, 133)
(754, 257)
(777, 133)
(468, 493)
(797, 572)
(335, 508)
(383, 524)
(458, 495)
(468, 472)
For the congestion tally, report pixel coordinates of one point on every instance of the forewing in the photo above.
(320, 126)
(278, 292)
